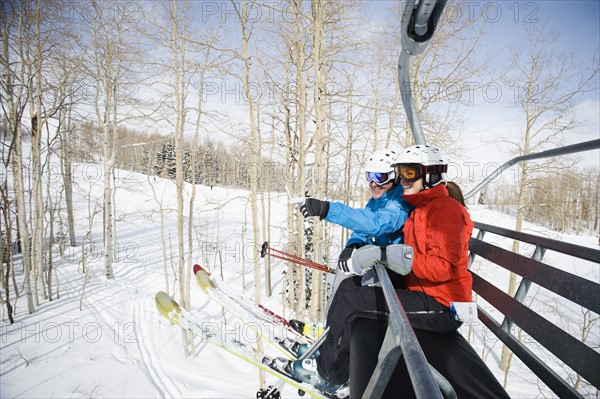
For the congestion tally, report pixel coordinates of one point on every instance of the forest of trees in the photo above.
(564, 200)
(570, 204)
(287, 96)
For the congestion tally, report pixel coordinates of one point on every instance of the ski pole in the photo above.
(267, 250)
(294, 259)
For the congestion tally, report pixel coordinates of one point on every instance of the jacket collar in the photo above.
(426, 196)
(394, 192)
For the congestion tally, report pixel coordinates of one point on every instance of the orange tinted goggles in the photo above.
(410, 172)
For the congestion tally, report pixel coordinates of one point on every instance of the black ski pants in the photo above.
(352, 300)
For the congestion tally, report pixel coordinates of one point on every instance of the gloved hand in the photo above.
(314, 207)
(344, 260)
(365, 258)
(399, 258)
(370, 279)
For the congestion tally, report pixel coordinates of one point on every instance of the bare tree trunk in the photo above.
(108, 189)
(267, 213)
(192, 200)
(15, 104)
(242, 12)
(178, 49)
(394, 113)
(106, 74)
(38, 207)
(51, 214)
(318, 181)
(66, 169)
(288, 292)
(263, 178)
(36, 172)
(22, 218)
(301, 117)
(512, 281)
(5, 247)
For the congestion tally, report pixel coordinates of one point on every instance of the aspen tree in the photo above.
(242, 13)
(548, 82)
(14, 87)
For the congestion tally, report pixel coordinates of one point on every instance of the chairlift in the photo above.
(419, 22)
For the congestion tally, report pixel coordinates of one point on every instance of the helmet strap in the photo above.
(427, 181)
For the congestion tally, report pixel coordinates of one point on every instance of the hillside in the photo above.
(108, 340)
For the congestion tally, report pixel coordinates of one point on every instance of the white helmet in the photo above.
(382, 160)
(434, 162)
(380, 166)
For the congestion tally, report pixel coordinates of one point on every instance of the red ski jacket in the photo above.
(439, 230)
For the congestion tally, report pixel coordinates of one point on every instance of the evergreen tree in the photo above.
(164, 161)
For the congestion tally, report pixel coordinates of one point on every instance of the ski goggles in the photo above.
(411, 172)
(380, 178)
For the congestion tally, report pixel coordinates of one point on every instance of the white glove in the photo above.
(399, 258)
(365, 258)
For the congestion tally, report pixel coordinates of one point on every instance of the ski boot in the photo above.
(282, 365)
(306, 371)
(295, 348)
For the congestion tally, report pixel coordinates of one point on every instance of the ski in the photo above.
(207, 332)
(265, 322)
(312, 330)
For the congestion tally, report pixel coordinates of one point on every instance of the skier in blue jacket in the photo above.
(380, 222)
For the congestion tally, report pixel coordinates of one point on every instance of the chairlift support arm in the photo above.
(419, 22)
(570, 149)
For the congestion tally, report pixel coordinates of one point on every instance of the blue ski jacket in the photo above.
(379, 223)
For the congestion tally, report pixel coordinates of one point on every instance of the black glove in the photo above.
(344, 257)
(314, 207)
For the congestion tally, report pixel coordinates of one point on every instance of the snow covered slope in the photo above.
(105, 338)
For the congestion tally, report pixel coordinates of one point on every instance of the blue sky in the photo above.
(504, 22)
(577, 24)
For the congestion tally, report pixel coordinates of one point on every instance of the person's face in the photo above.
(378, 190)
(412, 187)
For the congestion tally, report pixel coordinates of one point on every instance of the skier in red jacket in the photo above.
(438, 230)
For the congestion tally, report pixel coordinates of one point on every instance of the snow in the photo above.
(110, 342)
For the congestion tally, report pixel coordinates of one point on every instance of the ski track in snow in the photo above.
(165, 386)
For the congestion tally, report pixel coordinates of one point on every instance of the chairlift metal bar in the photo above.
(579, 251)
(419, 23)
(582, 358)
(314, 347)
(422, 15)
(530, 359)
(569, 149)
(524, 286)
(400, 339)
(576, 289)
(408, 100)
